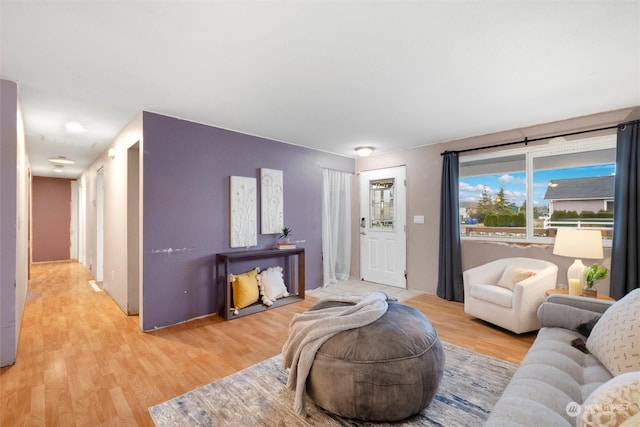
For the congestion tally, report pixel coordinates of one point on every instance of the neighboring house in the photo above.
(467, 209)
(580, 194)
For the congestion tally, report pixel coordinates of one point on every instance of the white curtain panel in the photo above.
(336, 226)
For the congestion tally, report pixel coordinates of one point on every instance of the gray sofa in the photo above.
(553, 374)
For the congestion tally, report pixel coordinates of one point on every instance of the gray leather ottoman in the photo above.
(385, 371)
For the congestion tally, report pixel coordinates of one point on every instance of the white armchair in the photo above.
(515, 310)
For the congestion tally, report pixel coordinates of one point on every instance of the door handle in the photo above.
(364, 233)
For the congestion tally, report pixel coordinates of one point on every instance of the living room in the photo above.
(184, 191)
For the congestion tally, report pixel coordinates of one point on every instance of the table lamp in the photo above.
(578, 243)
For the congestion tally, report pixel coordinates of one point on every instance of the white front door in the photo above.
(383, 215)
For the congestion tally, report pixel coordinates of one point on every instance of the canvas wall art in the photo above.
(272, 201)
(243, 215)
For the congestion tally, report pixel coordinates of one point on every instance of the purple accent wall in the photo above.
(186, 209)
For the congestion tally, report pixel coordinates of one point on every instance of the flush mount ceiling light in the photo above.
(364, 151)
(61, 160)
(58, 168)
(74, 127)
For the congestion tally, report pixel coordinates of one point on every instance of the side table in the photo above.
(566, 292)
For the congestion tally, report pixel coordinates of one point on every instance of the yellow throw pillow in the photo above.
(513, 275)
(245, 288)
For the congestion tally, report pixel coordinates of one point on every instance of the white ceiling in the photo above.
(330, 75)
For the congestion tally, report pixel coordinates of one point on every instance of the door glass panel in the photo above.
(381, 202)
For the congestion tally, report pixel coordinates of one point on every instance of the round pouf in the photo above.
(385, 371)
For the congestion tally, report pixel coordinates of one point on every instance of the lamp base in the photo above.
(576, 271)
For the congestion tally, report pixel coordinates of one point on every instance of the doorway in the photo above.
(383, 215)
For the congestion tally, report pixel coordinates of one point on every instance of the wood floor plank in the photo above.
(82, 362)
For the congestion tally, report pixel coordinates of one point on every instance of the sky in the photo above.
(515, 183)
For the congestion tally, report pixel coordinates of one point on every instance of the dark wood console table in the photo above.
(293, 282)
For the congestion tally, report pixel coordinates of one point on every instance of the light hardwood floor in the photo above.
(82, 362)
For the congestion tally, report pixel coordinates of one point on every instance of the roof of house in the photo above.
(600, 187)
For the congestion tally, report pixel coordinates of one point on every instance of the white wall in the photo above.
(23, 195)
(115, 215)
(14, 217)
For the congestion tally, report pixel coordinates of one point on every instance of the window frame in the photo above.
(552, 149)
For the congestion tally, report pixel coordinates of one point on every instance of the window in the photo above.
(381, 204)
(569, 184)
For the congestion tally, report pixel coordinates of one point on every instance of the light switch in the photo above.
(418, 219)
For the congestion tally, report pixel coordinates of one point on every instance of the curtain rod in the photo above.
(526, 140)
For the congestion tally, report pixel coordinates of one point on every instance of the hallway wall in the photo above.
(14, 219)
(115, 249)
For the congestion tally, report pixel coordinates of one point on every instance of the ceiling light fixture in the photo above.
(61, 160)
(74, 127)
(364, 151)
(58, 168)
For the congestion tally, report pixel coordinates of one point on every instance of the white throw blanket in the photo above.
(309, 330)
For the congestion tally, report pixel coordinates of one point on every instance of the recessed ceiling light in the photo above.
(364, 151)
(61, 160)
(74, 127)
(58, 168)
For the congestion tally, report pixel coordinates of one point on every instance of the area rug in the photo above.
(258, 396)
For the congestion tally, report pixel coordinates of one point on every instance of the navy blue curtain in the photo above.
(625, 258)
(450, 272)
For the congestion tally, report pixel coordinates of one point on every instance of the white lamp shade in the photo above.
(580, 243)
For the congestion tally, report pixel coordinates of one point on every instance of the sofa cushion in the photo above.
(613, 402)
(493, 294)
(564, 366)
(513, 275)
(614, 339)
(552, 375)
(564, 316)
